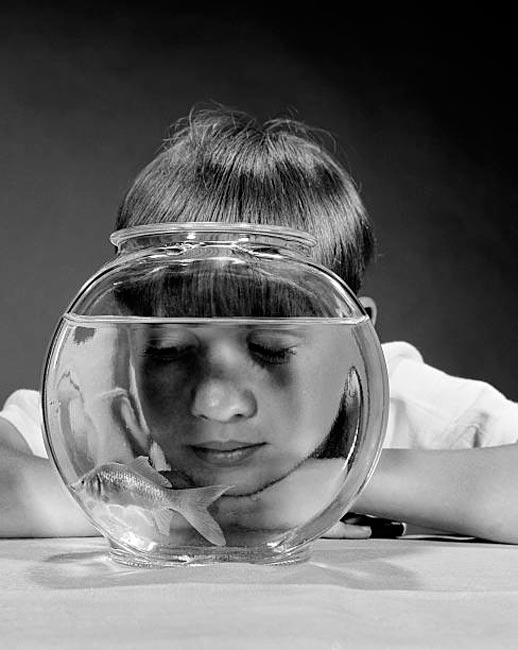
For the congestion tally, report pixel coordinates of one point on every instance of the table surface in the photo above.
(411, 592)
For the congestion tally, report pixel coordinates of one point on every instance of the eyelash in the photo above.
(269, 355)
(166, 354)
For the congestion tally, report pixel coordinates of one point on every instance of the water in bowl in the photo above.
(190, 440)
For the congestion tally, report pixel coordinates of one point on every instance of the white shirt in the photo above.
(428, 408)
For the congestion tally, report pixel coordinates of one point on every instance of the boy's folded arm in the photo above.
(469, 492)
(33, 500)
(11, 438)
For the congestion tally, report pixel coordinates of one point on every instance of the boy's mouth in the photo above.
(228, 453)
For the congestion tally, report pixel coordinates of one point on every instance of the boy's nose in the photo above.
(223, 401)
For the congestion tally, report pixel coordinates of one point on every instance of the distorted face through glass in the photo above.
(241, 405)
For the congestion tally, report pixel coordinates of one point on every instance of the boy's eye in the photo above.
(165, 346)
(272, 346)
(169, 353)
(268, 354)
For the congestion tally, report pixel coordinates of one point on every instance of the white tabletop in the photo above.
(380, 593)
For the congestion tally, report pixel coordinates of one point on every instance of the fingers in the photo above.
(348, 531)
(353, 526)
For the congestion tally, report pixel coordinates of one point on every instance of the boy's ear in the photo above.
(370, 307)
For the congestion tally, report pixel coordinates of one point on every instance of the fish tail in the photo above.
(193, 504)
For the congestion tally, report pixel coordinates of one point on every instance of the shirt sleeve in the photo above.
(430, 409)
(23, 410)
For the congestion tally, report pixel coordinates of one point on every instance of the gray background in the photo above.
(423, 112)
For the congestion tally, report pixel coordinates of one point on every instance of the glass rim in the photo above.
(119, 237)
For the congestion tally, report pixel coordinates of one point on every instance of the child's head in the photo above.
(282, 394)
(224, 166)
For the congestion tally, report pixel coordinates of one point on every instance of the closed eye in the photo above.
(168, 354)
(271, 355)
(165, 345)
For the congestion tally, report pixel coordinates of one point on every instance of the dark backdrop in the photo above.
(423, 112)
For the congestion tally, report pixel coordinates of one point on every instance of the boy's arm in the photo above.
(33, 500)
(467, 491)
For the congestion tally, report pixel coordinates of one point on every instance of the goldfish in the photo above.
(139, 485)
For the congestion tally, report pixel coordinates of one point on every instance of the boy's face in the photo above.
(238, 404)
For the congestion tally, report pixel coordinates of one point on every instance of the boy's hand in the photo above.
(353, 526)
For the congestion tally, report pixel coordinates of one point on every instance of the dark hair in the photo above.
(198, 290)
(222, 165)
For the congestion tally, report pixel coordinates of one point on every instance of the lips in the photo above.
(230, 452)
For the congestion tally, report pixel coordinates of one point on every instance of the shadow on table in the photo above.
(352, 565)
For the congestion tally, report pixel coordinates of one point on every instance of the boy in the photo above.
(449, 458)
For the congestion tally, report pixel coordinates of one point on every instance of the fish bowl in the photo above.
(212, 394)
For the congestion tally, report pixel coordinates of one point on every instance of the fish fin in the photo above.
(143, 513)
(193, 504)
(163, 519)
(142, 466)
(114, 510)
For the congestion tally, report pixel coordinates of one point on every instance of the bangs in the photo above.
(201, 290)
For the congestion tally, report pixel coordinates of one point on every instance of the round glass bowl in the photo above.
(213, 395)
